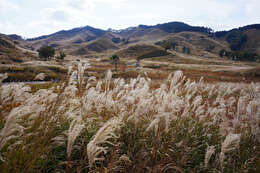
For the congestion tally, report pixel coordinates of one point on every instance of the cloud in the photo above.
(6, 6)
(59, 16)
(34, 18)
(54, 15)
(252, 9)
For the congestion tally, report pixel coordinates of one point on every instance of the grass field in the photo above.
(142, 120)
(21, 73)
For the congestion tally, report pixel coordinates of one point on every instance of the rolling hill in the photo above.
(248, 38)
(12, 52)
(61, 38)
(87, 34)
(200, 41)
(142, 51)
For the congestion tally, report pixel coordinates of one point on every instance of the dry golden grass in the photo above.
(28, 72)
(138, 123)
(159, 71)
(11, 54)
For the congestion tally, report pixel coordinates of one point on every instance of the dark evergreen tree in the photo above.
(183, 49)
(115, 60)
(116, 40)
(61, 56)
(166, 45)
(45, 52)
(188, 50)
(236, 39)
(221, 52)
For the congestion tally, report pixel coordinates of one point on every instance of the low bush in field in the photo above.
(114, 125)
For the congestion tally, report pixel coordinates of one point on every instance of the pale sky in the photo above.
(31, 18)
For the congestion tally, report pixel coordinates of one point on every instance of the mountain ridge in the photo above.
(175, 27)
(245, 27)
(201, 40)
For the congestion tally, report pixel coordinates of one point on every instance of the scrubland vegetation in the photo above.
(23, 73)
(117, 125)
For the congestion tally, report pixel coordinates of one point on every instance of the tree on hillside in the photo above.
(116, 40)
(166, 45)
(115, 60)
(236, 39)
(221, 53)
(183, 49)
(61, 56)
(45, 52)
(174, 45)
(188, 51)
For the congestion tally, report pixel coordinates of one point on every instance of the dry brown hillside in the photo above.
(66, 37)
(199, 44)
(142, 51)
(11, 52)
(91, 42)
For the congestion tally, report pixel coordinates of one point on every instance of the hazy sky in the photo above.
(31, 18)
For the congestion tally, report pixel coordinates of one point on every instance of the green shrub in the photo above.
(45, 52)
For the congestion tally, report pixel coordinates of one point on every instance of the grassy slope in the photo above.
(142, 51)
(12, 53)
(199, 44)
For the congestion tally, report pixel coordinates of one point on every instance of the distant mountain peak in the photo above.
(15, 37)
(70, 32)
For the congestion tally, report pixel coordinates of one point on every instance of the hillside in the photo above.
(65, 37)
(253, 42)
(96, 46)
(245, 38)
(171, 27)
(200, 41)
(238, 44)
(11, 52)
(86, 34)
(142, 51)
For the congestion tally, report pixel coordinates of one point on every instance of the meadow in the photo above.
(112, 124)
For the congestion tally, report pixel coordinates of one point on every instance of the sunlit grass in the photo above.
(129, 123)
